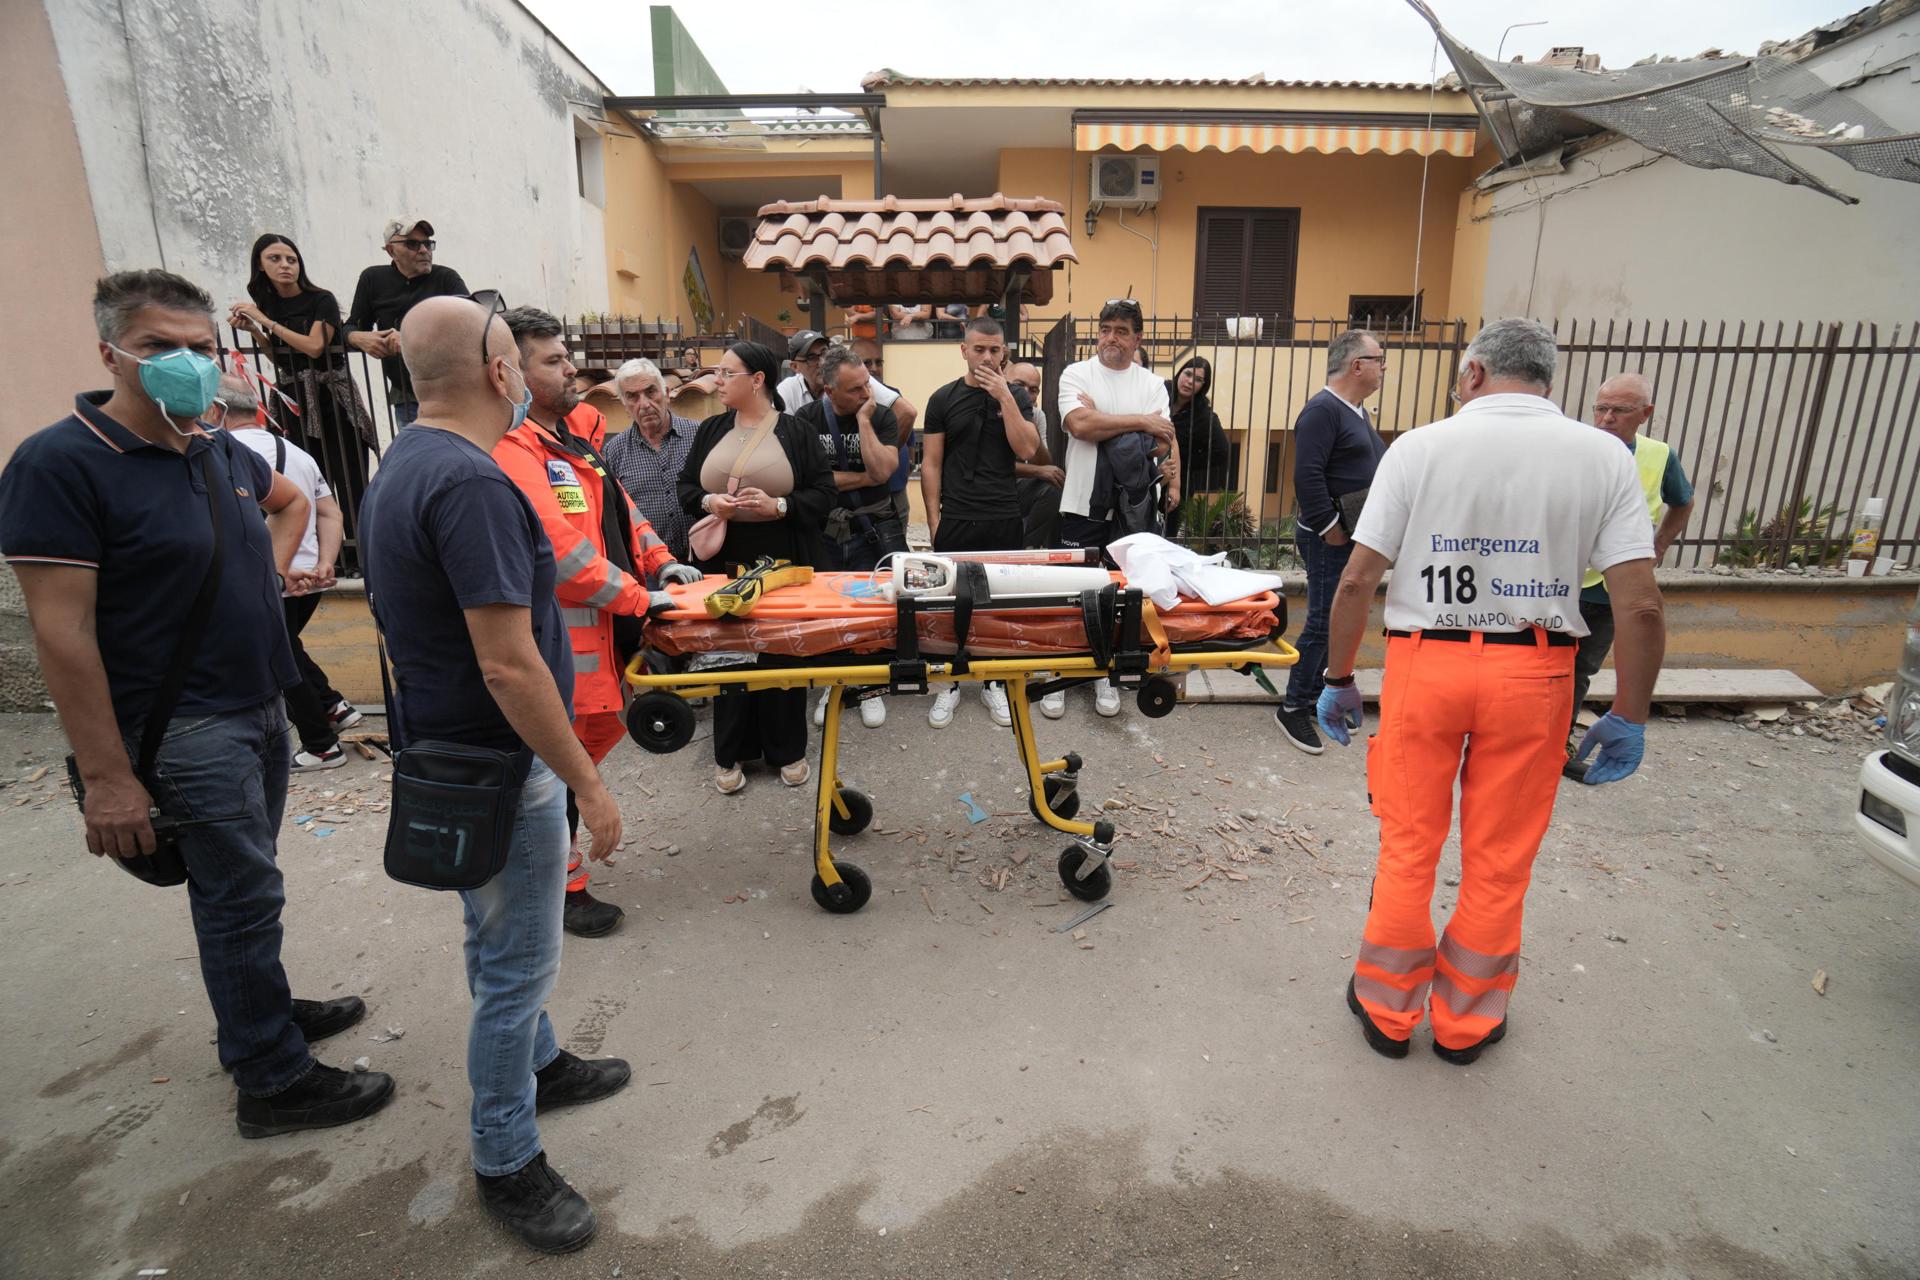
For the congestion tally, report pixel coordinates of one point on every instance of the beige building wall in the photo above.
(49, 246)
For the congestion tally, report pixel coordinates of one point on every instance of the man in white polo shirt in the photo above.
(1488, 519)
(1105, 401)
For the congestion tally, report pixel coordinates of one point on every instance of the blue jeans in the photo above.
(234, 764)
(513, 957)
(1324, 564)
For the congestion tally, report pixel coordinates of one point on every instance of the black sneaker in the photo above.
(1461, 1057)
(1382, 1043)
(320, 1099)
(1298, 727)
(318, 1019)
(568, 1080)
(589, 917)
(536, 1204)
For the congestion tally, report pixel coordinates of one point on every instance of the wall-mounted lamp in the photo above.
(1093, 219)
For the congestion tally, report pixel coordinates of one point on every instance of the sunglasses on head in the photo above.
(493, 304)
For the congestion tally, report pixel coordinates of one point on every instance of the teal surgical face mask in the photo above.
(524, 405)
(182, 381)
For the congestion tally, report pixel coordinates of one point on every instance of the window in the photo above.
(1385, 312)
(1246, 267)
(589, 163)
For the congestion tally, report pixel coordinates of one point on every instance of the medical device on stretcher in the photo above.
(948, 619)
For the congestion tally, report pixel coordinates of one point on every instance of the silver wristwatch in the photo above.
(780, 505)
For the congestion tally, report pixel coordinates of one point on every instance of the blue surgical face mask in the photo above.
(182, 381)
(523, 406)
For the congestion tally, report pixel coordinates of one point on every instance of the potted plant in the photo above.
(784, 322)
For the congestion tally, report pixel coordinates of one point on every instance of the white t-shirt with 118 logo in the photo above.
(1491, 517)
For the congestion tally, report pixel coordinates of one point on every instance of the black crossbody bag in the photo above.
(450, 825)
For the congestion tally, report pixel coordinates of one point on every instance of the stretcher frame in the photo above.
(661, 720)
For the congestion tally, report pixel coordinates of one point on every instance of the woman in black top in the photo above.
(767, 477)
(1204, 453)
(299, 324)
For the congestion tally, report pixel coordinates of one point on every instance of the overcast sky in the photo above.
(762, 47)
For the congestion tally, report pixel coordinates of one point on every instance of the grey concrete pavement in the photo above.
(940, 1085)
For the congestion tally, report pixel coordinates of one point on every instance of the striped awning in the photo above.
(1260, 138)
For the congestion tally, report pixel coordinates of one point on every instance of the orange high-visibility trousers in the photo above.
(598, 731)
(1493, 716)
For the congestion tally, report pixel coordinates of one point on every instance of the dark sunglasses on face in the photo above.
(417, 246)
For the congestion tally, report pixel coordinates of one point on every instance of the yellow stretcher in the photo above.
(1124, 639)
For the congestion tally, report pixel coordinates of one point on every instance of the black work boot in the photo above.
(318, 1019)
(1462, 1057)
(536, 1204)
(569, 1080)
(324, 1097)
(589, 917)
(1382, 1043)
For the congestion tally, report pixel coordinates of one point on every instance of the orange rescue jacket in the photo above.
(567, 483)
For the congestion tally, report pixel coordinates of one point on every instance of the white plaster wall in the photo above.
(1659, 240)
(203, 123)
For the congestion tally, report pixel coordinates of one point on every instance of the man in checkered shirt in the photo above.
(646, 458)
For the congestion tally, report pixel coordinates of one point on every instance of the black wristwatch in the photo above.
(1337, 682)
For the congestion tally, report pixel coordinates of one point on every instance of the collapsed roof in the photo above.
(1718, 113)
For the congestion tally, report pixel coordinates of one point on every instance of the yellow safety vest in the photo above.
(1650, 459)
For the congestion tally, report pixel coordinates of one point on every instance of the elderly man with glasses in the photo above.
(647, 457)
(1622, 408)
(386, 292)
(1335, 452)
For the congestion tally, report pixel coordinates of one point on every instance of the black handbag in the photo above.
(450, 823)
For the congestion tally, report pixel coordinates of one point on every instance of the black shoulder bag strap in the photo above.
(280, 453)
(167, 696)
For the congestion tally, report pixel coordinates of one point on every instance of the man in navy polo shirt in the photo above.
(104, 518)
(460, 575)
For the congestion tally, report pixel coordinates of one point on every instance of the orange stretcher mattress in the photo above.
(844, 613)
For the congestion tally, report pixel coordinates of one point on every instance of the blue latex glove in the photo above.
(679, 573)
(1339, 711)
(1622, 744)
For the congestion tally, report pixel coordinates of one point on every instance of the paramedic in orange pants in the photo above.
(1488, 519)
(604, 550)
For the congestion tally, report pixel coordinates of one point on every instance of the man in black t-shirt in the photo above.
(977, 429)
(861, 440)
(384, 295)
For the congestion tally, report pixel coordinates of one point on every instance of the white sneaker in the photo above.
(943, 704)
(995, 696)
(873, 712)
(820, 708)
(1106, 698)
(1054, 705)
(332, 758)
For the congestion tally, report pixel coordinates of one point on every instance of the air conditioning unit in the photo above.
(1125, 180)
(736, 233)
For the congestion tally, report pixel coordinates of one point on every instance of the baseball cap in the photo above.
(797, 345)
(400, 227)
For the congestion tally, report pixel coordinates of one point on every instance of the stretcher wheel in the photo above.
(849, 895)
(1094, 887)
(859, 814)
(1157, 698)
(1063, 797)
(660, 722)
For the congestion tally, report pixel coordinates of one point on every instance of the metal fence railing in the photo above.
(1785, 428)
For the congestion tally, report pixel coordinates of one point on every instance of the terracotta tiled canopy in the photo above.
(894, 250)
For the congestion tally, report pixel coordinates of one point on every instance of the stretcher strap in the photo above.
(1162, 647)
(969, 590)
(1096, 615)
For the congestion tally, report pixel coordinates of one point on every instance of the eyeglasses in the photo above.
(1381, 358)
(806, 359)
(1615, 410)
(416, 245)
(494, 305)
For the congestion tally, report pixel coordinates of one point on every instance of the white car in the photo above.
(1889, 814)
